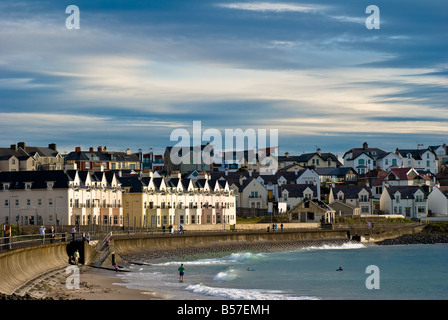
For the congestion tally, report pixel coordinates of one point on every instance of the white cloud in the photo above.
(272, 7)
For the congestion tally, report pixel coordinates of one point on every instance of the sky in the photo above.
(135, 71)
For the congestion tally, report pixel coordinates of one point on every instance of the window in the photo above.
(28, 202)
(39, 202)
(285, 196)
(50, 202)
(364, 198)
(17, 202)
(428, 163)
(397, 198)
(6, 203)
(361, 162)
(394, 162)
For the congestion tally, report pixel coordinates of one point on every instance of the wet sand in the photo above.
(95, 284)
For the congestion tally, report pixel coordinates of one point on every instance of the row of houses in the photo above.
(20, 157)
(75, 197)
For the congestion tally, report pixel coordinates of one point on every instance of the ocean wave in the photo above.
(244, 294)
(238, 257)
(348, 245)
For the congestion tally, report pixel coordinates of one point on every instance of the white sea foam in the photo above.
(348, 245)
(240, 257)
(228, 275)
(244, 294)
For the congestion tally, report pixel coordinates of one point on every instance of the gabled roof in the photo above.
(415, 153)
(296, 190)
(406, 192)
(334, 171)
(350, 191)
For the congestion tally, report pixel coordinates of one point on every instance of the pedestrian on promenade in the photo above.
(42, 233)
(181, 272)
(181, 229)
(73, 233)
(52, 234)
(281, 227)
(163, 229)
(171, 229)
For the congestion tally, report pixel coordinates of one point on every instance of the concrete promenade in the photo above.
(20, 267)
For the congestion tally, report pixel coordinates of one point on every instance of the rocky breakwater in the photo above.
(417, 238)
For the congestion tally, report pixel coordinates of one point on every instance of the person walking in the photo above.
(181, 272)
(52, 234)
(42, 233)
(73, 233)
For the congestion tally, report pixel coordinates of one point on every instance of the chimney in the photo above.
(227, 171)
(100, 149)
(365, 145)
(128, 151)
(105, 149)
(287, 154)
(78, 150)
(21, 145)
(318, 151)
(241, 180)
(14, 147)
(250, 172)
(91, 149)
(52, 146)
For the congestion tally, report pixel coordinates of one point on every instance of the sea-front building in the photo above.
(162, 201)
(60, 198)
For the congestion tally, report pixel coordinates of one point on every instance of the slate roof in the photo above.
(405, 191)
(350, 191)
(296, 190)
(17, 179)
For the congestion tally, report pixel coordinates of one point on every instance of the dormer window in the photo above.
(50, 185)
(28, 185)
(5, 186)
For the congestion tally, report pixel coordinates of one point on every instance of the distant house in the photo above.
(292, 194)
(310, 210)
(344, 175)
(363, 159)
(438, 201)
(103, 159)
(344, 209)
(21, 157)
(420, 159)
(404, 177)
(409, 201)
(316, 159)
(355, 196)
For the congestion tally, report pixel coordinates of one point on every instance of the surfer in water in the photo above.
(249, 269)
(339, 269)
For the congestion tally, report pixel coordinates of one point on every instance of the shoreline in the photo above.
(104, 284)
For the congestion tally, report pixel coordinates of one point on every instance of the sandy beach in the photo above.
(95, 284)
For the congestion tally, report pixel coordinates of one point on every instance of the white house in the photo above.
(355, 196)
(292, 194)
(389, 160)
(59, 198)
(362, 159)
(409, 201)
(420, 159)
(438, 201)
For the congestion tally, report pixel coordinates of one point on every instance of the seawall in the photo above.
(19, 266)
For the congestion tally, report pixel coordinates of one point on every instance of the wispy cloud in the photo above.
(272, 7)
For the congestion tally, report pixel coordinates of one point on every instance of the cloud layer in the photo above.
(312, 70)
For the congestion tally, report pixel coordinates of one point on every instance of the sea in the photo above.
(369, 272)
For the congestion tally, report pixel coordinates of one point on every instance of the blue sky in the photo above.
(137, 70)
